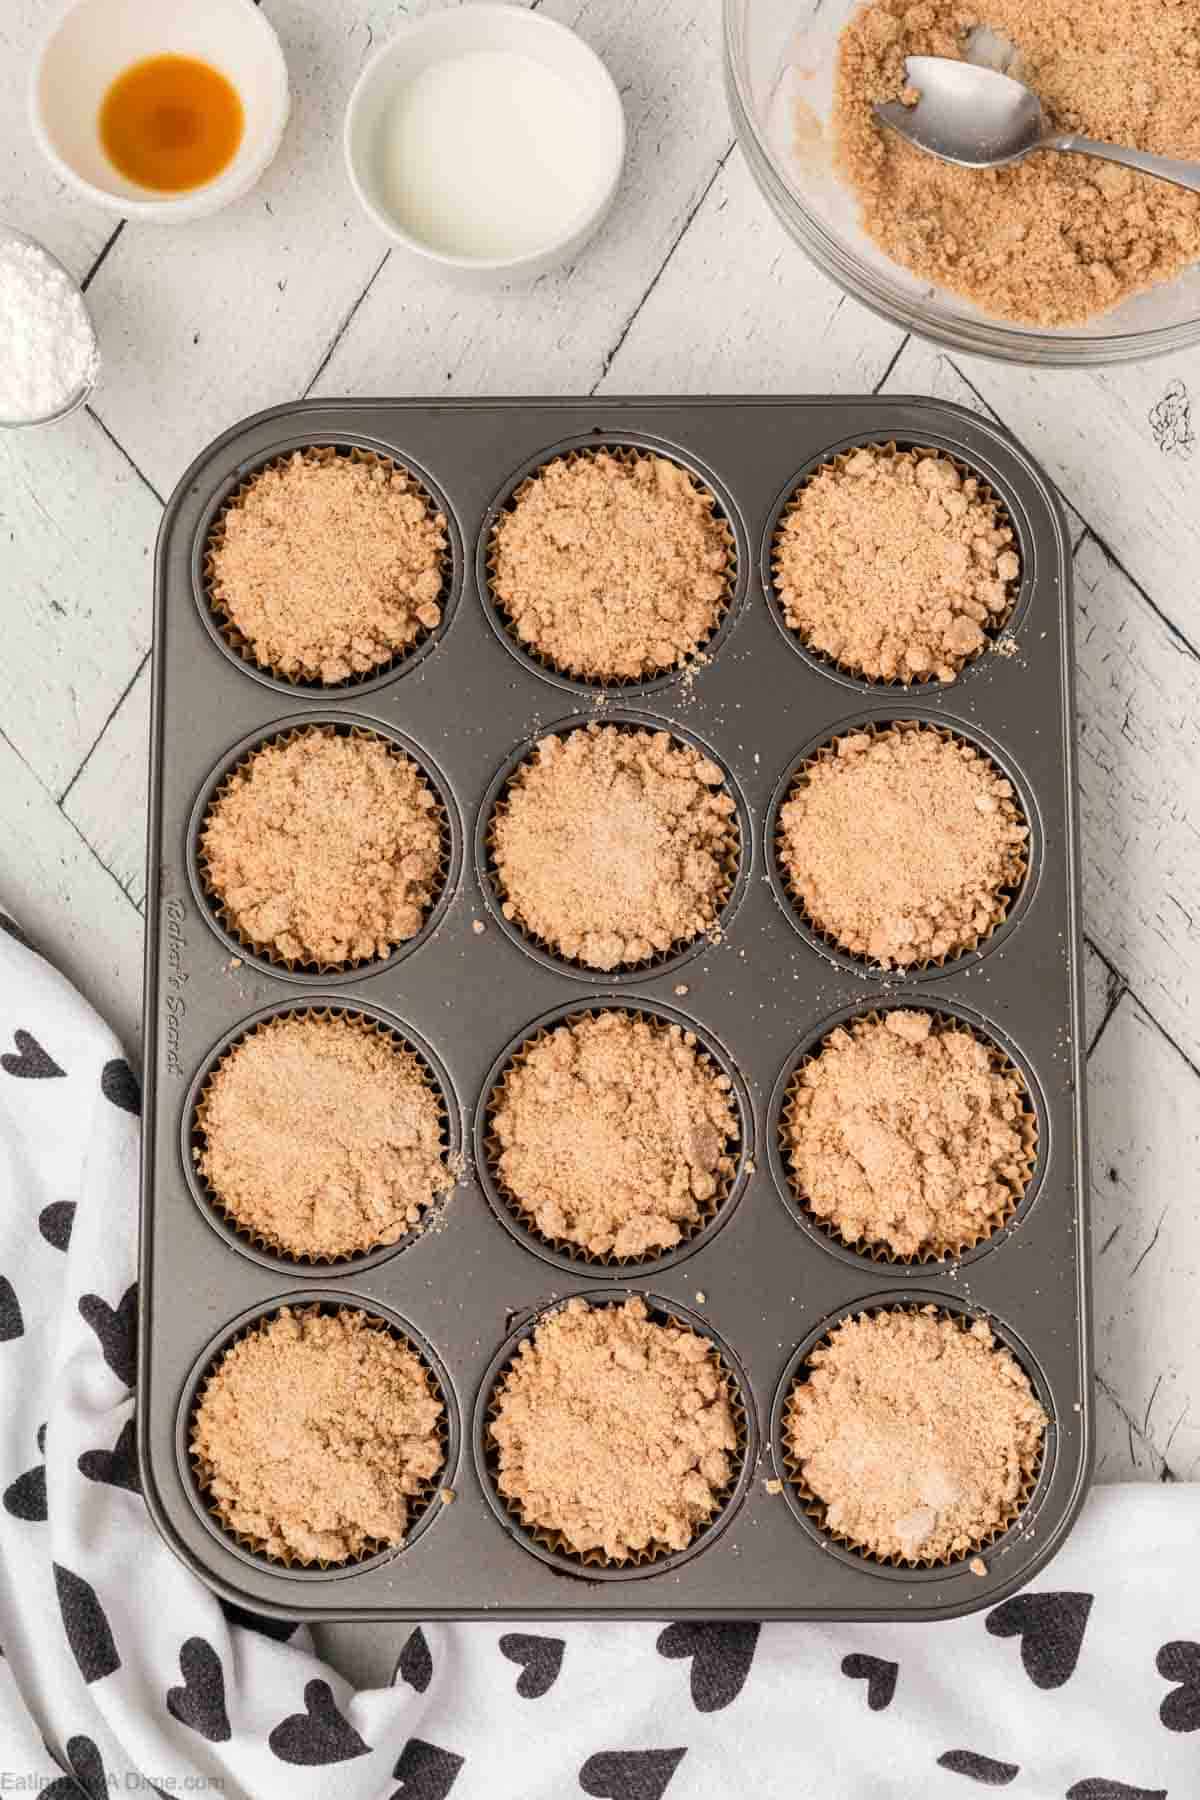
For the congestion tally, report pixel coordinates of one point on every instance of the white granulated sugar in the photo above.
(47, 346)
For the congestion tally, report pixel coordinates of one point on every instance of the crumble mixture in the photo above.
(614, 1431)
(901, 844)
(314, 1433)
(895, 565)
(615, 1133)
(908, 1134)
(919, 1435)
(1059, 238)
(324, 849)
(322, 1136)
(328, 566)
(614, 844)
(612, 567)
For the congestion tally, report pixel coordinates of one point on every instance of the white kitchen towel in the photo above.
(121, 1672)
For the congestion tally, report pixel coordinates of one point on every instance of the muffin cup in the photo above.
(550, 1546)
(713, 1213)
(238, 648)
(811, 1511)
(736, 870)
(628, 452)
(254, 1244)
(1000, 627)
(1009, 899)
(264, 956)
(423, 1506)
(946, 1017)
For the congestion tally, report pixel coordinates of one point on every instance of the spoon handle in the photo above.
(1167, 168)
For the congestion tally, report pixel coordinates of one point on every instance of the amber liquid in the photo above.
(171, 123)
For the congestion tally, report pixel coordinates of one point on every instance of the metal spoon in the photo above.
(982, 119)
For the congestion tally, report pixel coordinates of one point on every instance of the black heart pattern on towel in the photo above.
(55, 1222)
(119, 1084)
(200, 1702)
(880, 1677)
(86, 1626)
(87, 1774)
(416, 1664)
(118, 1466)
(1050, 1627)
(319, 1734)
(540, 1659)
(1180, 1661)
(117, 1331)
(630, 1774)
(425, 1771)
(30, 1063)
(279, 1629)
(984, 1769)
(1098, 1788)
(721, 1658)
(25, 1498)
(12, 1325)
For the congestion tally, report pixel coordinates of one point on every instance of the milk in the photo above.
(490, 155)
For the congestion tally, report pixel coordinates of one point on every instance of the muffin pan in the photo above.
(761, 1278)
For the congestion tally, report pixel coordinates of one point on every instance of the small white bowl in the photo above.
(97, 40)
(458, 31)
(83, 393)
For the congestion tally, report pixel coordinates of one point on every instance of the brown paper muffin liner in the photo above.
(240, 645)
(258, 1240)
(419, 1503)
(707, 1210)
(629, 456)
(268, 952)
(815, 1507)
(941, 1249)
(1005, 897)
(596, 1560)
(661, 958)
(996, 624)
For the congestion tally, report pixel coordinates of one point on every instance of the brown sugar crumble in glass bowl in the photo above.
(903, 845)
(919, 1437)
(321, 1137)
(895, 565)
(1058, 239)
(612, 567)
(614, 1433)
(614, 1133)
(906, 1133)
(327, 566)
(323, 848)
(316, 1436)
(615, 845)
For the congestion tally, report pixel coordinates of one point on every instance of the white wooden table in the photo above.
(693, 288)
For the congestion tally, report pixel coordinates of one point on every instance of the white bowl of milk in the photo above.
(487, 140)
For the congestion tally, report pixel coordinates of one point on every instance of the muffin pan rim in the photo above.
(887, 1000)
(649, 1267)
(343, 722)
(594, 688)
(877, 686)
(405, 659)
(899, 1299)
(348, 1266)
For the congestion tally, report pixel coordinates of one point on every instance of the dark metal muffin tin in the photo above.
(762, 1284)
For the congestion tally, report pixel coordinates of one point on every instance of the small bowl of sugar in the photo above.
(487, 141)
(49, 358)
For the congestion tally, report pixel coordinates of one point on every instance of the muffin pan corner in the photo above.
(468, 989)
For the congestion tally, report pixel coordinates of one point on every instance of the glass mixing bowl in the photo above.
(779, 66)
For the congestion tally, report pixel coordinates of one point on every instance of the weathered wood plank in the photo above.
(68, 904)
(108, 800)
(1145, 1131)
(77, 528)
(415, 335)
